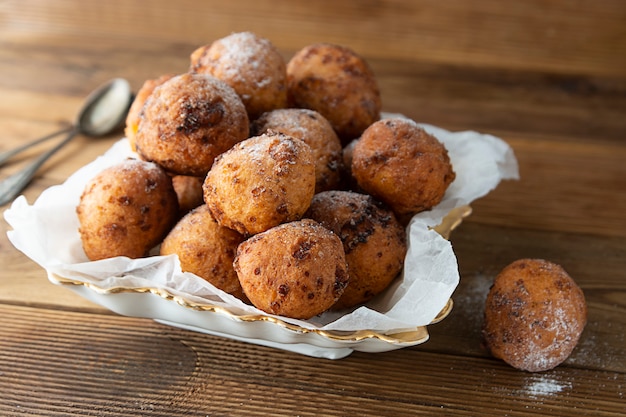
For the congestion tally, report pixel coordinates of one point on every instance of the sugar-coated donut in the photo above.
(534, 315)
(206, 249)
(399, 163)
(189, 192)
(297, 269)
(251, 65)
(189, 120)
(126, 210)
(338, 83)
(373, 240)
(260, 183)
(134, 112)
(312, 128)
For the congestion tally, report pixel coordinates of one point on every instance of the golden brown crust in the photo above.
(189, 192)
(534, 315)
(206, 249)
(312, 128)
(261, 182)
(400, 164)
(126, 210)
(373, 240)
(188, 121)
(134, 113)
(297, 269)
(336, 82)
(251, 65)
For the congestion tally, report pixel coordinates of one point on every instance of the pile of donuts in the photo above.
(247, 168)
(276, 181)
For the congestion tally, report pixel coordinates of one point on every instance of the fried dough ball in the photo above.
(189, 120)
(126, 210)
(336, 82)
(206, 249)
(134, 113)
(399, 163)
(260, 183)
(373, 240)
(534, 315)
(315, 131)
(297, 269)
(251, 65)
(189, 192)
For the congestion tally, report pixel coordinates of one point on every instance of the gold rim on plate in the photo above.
(405, 336)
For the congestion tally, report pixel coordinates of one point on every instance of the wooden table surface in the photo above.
(547, 76)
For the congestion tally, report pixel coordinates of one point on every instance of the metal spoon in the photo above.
(6, 155)
(103, 111)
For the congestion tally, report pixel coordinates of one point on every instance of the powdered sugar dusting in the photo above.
(255, 148)
(545, 354)
(471, 298)
(603, 345)
(545, 385)
(289, 121)
(132, 164)
(242, 55)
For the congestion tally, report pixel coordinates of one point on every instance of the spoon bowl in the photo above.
(103, 111)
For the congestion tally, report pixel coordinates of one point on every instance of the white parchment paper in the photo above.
(47, 232)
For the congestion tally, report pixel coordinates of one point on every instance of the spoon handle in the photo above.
(5, 156)
(11, 186)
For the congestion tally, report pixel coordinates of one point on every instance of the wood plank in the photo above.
(538, 114)
(482, 251)
(567, 37)
(564, 186)
(455, 97)
(126, 367)
(506, 102)
(451, 96)
(593, 262)
(548, 76)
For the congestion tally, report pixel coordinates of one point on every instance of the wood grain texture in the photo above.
(579, 119)
(557, 36)
(595, 263)
(128, 367)
(547, 76)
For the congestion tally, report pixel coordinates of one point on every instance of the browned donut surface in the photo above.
(206, 249)
(260, 183)
(336, 82)
(534, 315)
(402, 165)
(126, 210)
(188, 121)
(373, 240)
(312, 128)
(297, 269)
(134, 113)
(251, 65)
(189, 192)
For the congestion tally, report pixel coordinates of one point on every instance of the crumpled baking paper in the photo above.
(47, 232)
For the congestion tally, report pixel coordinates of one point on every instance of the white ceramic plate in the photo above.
(164, 307)
(47, 232)
(175, 311)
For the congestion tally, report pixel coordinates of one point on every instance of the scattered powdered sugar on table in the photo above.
(470, 298)
(545, 385)
(602, 345)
